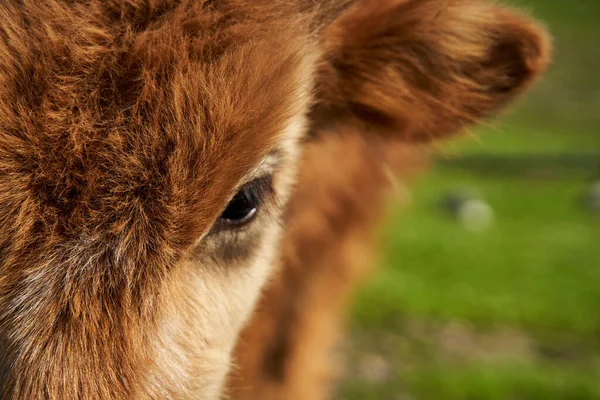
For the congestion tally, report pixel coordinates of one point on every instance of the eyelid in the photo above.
(260, 188)
(267, 167)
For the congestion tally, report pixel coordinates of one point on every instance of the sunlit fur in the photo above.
(126, 126)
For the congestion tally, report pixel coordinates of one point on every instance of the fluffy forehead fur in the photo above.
(118, 109)
(124, 129)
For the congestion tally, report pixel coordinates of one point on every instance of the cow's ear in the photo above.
(421, 69)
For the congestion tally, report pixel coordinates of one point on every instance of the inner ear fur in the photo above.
(422, 69)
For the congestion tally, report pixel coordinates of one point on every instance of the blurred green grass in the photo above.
(512, 312)
(535, 273)
(481, 382)
(538, 265)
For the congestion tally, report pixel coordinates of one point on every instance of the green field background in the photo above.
(511, 312)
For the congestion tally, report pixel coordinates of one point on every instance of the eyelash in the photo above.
(261, 189)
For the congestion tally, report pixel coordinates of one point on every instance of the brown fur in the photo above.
(455, 62)
(126, 126)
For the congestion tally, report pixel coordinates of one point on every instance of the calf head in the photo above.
(148, 148)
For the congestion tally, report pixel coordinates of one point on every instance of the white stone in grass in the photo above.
(593, 197)
(476, 215)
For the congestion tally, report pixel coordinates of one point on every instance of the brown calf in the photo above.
(148, 149)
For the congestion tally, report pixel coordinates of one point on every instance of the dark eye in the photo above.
(246, 203)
